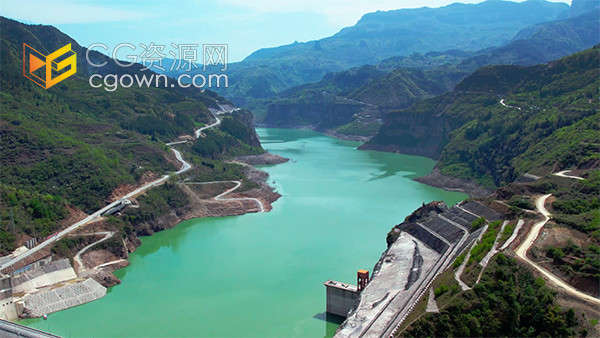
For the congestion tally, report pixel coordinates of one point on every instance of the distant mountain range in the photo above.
(398, 82)
(381, 35)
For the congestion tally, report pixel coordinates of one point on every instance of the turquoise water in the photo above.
(261, 275)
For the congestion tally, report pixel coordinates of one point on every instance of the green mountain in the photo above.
(398, 82)
(72, 145)
(543, 42)
(549, 117)
(380, 35)
(352, 102)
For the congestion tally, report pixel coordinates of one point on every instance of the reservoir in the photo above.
(261, 275)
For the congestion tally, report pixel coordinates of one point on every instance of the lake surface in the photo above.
(261, 275)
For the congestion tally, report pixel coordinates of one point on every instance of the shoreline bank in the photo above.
(435, 178)
(199, 206)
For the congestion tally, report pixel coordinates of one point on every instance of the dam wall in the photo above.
(419, 249)
(341, 297)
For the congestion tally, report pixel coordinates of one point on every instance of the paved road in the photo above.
(13, 330)
(531, 237)
(217, 122)
(185, 167)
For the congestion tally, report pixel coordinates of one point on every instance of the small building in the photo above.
(342, 297)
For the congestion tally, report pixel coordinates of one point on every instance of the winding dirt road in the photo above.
(528, 242)
(564, 174)
(221, 196)
(184, 167)
(77, 258)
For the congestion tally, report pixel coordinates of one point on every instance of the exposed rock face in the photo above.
(437, 179)
(412, 133)
(248, 120)
(106, 278)
(321, 113)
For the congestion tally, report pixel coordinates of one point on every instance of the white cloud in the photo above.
(65, 12)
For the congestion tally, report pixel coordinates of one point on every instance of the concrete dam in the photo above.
(419, 249)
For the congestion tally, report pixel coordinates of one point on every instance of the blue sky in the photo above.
(245, 25)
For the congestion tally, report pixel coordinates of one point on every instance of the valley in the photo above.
(445, 159)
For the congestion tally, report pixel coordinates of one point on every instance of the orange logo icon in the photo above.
(48, 70)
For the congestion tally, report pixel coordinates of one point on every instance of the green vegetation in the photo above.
(486, 243)
(578, 206)
(575, 261)
(66, 247)
(32, 213)
(270, 71)
(219, 144)
(459, 260)
(478, 223)
(508, 230)
(522, 202)
(359, 128)
(508, 301)
(156, 202)
(350, 100)
(442, 289)
(71, 146)
(475, 137)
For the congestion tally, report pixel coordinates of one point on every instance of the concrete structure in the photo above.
(12, 330)
(44, 275)
(120, 206)
(386, 293)
(8, 310)
(64, 297)
(35, 260)
(341, 297)
(45, 289)
(426, 244)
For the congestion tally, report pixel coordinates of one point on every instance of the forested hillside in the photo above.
(72, 145)
(398, 82)
(549, 116)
